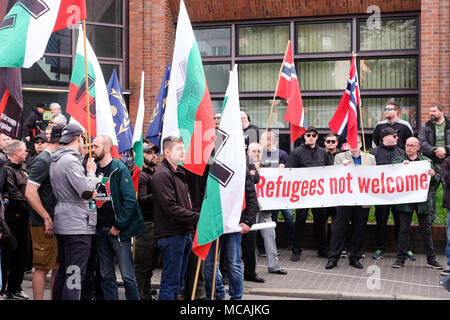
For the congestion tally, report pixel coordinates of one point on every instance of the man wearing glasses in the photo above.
(392, 120)
(309, 154)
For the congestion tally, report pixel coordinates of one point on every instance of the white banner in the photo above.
(290, 188)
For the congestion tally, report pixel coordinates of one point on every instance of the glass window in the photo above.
(104, 11)
(258, 76)
(217, 106)
(49, 71)
(107, 70)
(213, 42)
(106, 41)
(323, 75)
(393, 34)
(259, 110)
(373, 109)
(318, 112)
(217, 77)
(324, 37)
(60, 42)
(388, 73)
(263, 40)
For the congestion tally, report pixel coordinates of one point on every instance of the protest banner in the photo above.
(289, 188)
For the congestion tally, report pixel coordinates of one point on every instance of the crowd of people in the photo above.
(74, 213)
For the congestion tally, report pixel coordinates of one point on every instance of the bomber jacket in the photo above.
(145, 193)
(422, 207)
(172, 208)
(427, 138)
(125, 205)
(305, 156)
(248, 216)
(386, 154)
(15, 185)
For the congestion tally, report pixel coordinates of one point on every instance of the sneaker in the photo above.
(435, 265)
(377, 255)
(295, 257)
(17, 295)
(344, 254)
(410, 255)
(398, 264)
(445, 272)
(363, 256)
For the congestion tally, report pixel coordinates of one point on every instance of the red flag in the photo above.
(289, 89)
(70, 12)
(345, 119)
(11, 102)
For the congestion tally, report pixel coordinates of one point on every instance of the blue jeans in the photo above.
(447, 247)
(219, 291)
(230, 243)
(175, 253)
(289, 223)
(108, 250)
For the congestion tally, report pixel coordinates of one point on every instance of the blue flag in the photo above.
(154, 131)
(122, 124)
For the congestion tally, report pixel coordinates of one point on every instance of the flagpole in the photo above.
(360, 108)
(87, 92)
(194, 287)
(276, 89)
(215, 266)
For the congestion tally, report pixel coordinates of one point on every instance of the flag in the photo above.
(154, 130)
(11, 102)
(138, 145)
(345, 119)
(189, 113)
(224, 197)
(122, 124)
(99, 107)
(289, 89)
(27, 27)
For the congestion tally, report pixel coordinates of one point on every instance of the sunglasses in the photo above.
(388, 109)
(309, 135)
(331, 141)
(40, 142)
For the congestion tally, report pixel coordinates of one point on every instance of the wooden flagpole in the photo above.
(194, 287)
(88, 109)
(276, 89)
(215, 266)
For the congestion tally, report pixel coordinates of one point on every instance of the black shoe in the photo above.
(398, 264)
(254, 279)
(281, 271)
(356, 264)
(295, 257)
(331, 265)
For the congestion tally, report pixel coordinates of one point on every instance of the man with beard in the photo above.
(434, 139)
(146, 254)
(119, 219)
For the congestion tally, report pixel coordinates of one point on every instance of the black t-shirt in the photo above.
(105, 213)
(39, 175)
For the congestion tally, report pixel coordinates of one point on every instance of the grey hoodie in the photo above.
(69, 181)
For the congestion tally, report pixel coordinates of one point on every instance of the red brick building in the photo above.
(403, 52)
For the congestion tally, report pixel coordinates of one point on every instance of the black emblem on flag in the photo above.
(80, 97)
(219, 171)
(35, 8)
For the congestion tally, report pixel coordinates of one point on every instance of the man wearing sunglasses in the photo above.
(392, 120)
(309, 154)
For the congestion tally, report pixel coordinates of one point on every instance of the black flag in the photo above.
(11, 102)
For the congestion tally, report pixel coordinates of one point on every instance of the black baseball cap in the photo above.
(56, 133)
(310, 129)
(41, 136)
(149, 148)
(69, 132)
(388, 131)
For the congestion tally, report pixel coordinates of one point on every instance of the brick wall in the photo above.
(435, 55)
(151, 41)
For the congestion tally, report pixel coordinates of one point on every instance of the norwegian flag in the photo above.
(345, 119)
(289, 89)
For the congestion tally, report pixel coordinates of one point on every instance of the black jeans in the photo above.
(249, 253)
(382, 215)
(358, 216)
(15, 262)
(403, 236)
(320, 217)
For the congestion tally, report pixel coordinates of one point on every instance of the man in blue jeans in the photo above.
(446, 204)
(119, 218)
(175, 221)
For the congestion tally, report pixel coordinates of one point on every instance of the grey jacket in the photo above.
(69, 181)
(427, 138)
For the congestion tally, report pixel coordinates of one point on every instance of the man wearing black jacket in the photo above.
(32, 125)
(147, 253)
(175, 222)
(16, 216)
(309, 154)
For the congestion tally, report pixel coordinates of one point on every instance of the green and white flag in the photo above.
(138, 145)
(224, 197)
(26, 29)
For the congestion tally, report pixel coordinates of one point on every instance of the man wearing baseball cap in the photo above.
(39, 195)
